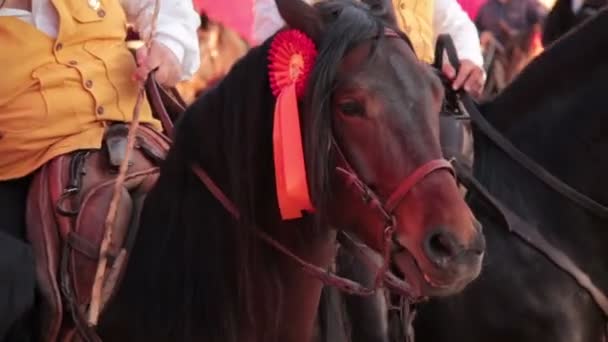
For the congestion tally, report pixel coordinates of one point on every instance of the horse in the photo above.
(220, 47)
(214, 260)
(553, 112)
(562, 18)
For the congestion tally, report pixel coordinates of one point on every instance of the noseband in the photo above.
(385, 209)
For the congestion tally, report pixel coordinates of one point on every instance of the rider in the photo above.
(422, 20)
(67, 73)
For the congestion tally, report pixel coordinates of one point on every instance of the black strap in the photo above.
(445, 44)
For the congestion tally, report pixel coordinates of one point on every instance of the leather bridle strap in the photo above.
(325, 276)
(387, 208)
(409, 182)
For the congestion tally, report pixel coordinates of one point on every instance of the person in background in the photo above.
(423, 21)
(67, 75)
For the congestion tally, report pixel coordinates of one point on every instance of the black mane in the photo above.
(195, 273)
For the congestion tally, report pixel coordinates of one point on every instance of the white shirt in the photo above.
(449, 17)
(176, 25)
(576, 5)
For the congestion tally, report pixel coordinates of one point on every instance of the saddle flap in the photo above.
(67, 209)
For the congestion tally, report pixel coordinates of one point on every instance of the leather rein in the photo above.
(385, 210)
(524, 230)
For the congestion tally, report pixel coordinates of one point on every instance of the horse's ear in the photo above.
(383, 9)
(300, 15)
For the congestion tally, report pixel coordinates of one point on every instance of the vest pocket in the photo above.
(24, 109)
(55, 98)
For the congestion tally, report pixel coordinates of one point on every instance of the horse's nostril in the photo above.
(441, 246)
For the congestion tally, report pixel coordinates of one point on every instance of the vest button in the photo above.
(402, 5)
(72, 62)
(101, 13)
(58, 47)
(88, 84)
(100, 110)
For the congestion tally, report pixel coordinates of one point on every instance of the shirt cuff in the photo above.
(175, 46)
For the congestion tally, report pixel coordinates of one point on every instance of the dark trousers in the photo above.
(17, 272)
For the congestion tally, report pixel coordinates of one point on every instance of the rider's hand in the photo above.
(158, 56)
(470, 76)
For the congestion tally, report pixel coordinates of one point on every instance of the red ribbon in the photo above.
(290, 169)
(292, 55)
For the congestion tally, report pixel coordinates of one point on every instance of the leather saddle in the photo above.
(66, 211)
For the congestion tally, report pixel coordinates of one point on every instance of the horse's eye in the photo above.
(351, 108)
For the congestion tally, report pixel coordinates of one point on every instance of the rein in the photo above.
(371, 199)
(384, 209)
(515, 224)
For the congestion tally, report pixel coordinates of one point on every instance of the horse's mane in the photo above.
(202, 270)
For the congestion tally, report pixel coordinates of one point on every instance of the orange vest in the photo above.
(57, 95)
(415, 17)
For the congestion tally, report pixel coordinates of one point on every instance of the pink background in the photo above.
(238, 14)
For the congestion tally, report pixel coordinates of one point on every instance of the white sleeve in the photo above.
(577, 5)
(450, 18)
(266, 19)
(176, 28)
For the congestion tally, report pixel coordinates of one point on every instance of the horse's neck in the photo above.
(301, 291)
(565, 136)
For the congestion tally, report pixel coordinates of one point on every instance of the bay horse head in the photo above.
(374, 108)
(214, 251)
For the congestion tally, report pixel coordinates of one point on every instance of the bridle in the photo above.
(384, 209)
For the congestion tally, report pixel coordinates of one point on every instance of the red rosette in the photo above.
(292, 56)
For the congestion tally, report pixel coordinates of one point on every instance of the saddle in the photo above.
(67, 207)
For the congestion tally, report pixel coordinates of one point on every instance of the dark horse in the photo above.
(555, 113)
(562, 18)
(198, 274)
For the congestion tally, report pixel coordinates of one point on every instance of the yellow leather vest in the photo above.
(57, 95)
(415, 17)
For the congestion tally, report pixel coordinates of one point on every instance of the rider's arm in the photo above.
(450, 18)
(176, 28)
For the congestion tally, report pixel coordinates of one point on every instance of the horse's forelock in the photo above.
(347, 24)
